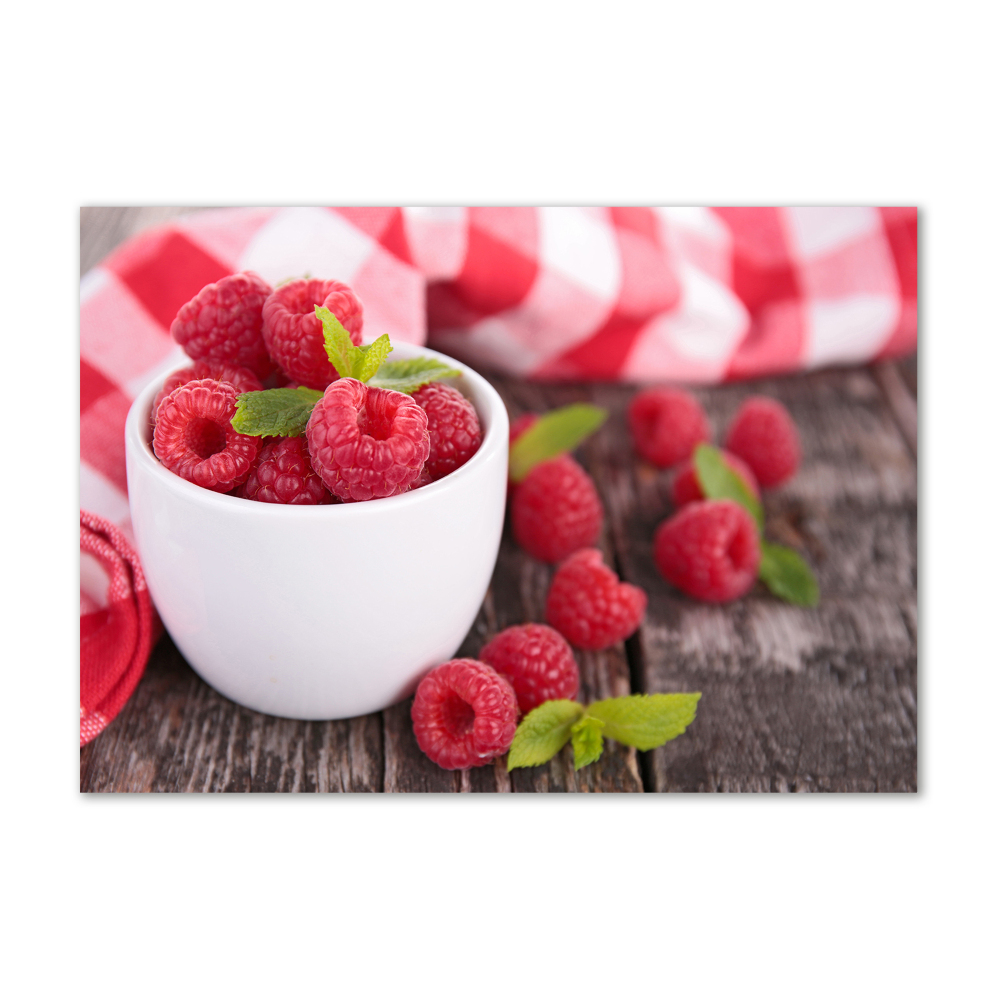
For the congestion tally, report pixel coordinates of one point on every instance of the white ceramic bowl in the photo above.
(320, 612)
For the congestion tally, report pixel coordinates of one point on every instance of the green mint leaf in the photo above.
(556, 433)
(283, 412)
(787, 576)
(588, 741)
(372, 356)
(343, 355)
(543, 732)
(408, 376)
(719, 481)
(645, 721)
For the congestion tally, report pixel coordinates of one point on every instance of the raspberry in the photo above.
(453, 427)
(223, 322)
(367, 442)
(589, 606)
(536, 661)
(294, 334)
(556, 510)
(241, 379)
(424, 479)
(282, 474)
(763, 435)
(666, 424)
(686, 487)
(464, 714)
(709, 549)
(195, 439)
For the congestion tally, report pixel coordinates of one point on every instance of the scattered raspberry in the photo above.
(195, 439)
(556, 510)
(709, 549)
(537, 662)
(464, 714)
(367, 442)
(294, 334)
(763, 435)
(241, 379)
(282, 474)
(223, 322)
(686, 487)
(453, 427)
(666, 424)
(589, 605)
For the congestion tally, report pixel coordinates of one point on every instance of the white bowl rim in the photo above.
(135, 442)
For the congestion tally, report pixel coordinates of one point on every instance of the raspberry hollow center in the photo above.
(204, 437)
(375, 418)
(457, 715)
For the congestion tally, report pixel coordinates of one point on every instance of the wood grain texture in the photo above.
(794, 699)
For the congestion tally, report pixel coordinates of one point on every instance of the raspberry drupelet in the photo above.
(282, 473)
(365, 442)
(710, 549)
(666, 424)
(464, 714)
(194, 436)
(589, 605)
(293, 332)
(763, 434)
(224, 322)
(453, 426)
(536, 660)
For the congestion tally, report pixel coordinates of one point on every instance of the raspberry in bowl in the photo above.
(327, 610)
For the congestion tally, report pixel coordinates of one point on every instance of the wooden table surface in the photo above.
(793, 699)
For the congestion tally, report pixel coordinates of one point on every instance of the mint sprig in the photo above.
(588, 741)
(285, 412)
(787, 576)
(720, 481)
(351, 360)
(554, 434)
(642, 721)
(782, 570)
(543, 732)
(280, 412)
(409, 375)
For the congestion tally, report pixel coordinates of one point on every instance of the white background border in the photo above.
(860, 103)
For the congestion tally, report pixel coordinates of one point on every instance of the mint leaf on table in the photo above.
(786, 575)
(588, 741)
(645, 721)
(554, 434)
(409, 375)
(719, 481)
(283, 412)
(543, 732)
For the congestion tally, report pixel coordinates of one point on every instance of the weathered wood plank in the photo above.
(176, 734)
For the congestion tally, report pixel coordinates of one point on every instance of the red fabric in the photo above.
(115, 639)
(633, 294)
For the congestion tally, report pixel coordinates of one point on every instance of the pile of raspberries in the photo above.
(361, 442)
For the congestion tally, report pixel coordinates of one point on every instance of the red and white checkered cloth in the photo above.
(694, 295)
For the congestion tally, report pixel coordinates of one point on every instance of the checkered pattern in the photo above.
(633, 294)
